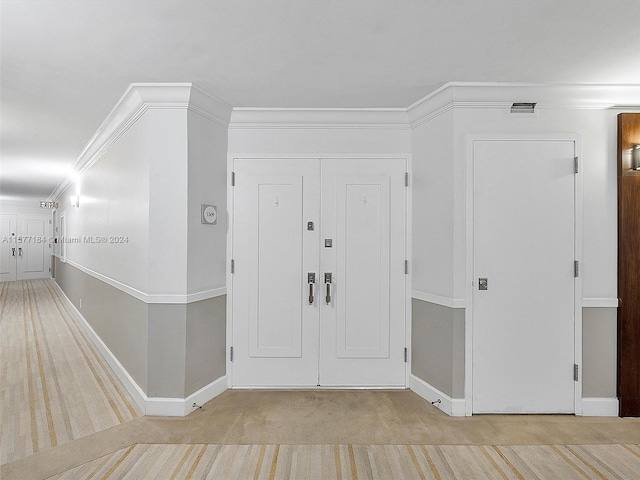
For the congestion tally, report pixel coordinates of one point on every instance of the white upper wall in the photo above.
(319, 131)
(141, 190)
(444, 122)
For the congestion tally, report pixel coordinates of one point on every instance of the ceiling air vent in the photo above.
(523, 108)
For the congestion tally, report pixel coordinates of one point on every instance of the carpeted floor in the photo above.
(376, 462)
(64, 415)
(55, 386)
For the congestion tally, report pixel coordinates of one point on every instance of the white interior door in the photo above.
(8, 248)
(275, 329)
(523, 322)
(34, 257)
(297, 217)
(363, 327)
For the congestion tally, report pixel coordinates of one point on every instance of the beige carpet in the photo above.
(55, 386)
(64, 415)
(379, 462)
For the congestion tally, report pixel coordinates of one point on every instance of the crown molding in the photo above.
(502, 95)
(136, 101)
(319, 118)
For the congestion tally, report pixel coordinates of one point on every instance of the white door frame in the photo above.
(231, 157)
(469, 273)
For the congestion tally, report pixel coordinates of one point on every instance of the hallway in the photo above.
(63, 408)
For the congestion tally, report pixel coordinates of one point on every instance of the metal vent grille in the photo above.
(523, 108)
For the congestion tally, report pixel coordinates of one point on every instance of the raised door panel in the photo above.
(362, 246)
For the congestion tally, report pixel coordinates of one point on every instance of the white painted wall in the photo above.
(207, 184)
(310, 132)
(433, 209)
(114, 196)
(168, 183)
(598, 160)
(158, 156)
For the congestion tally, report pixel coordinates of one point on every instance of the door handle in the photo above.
(20, 251)
(311, 280)
(13, 252)
(327, 282)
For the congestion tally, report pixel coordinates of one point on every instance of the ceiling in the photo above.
(65, 63)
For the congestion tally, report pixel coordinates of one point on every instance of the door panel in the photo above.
(362, 247)
(363, 328)
(275, 328)
(523, 323)
(34, 251)
(276, 290)
(8, 248)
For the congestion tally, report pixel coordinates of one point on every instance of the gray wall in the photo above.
(437, 349)
(599, 352)
(437, 346)
(170, 350)
(120, 320)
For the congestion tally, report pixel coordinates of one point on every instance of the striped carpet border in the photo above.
(360, 462)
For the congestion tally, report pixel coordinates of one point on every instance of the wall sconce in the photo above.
(635, 153)
(75, 200)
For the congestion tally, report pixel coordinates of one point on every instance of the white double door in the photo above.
(25, 250)
(319, 272)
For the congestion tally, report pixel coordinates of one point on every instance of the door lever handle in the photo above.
(311, 280)
(13, 252)
(327, 282)
(20, 251)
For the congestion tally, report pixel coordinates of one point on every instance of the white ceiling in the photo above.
(65, 63)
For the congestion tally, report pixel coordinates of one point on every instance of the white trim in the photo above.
(173, 407)
(408, 278)
(181, 407)
(438, 300)
(152, 297)
(603, 302)
(600, 407)
(454, 407)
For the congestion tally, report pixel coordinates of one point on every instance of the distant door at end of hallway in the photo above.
(25, 247)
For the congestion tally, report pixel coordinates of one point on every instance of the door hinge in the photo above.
(406, 267)
(576, 269)
(576, 164)
(406, 179)
(575, 372)
(406, 354)
(231, 354)
(233, 266)
(233, 179)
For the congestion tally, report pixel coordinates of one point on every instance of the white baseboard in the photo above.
(181, 407)
(454, 407)
(600, 407)
(170, 407)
